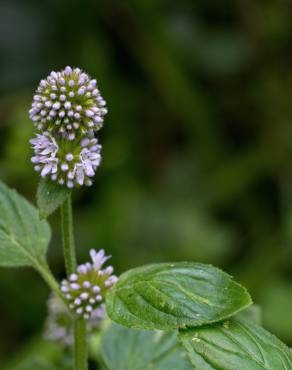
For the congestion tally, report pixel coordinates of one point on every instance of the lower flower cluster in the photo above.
(85, 290)
(67, 162)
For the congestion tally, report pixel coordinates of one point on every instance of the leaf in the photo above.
(170, 296)
(235, 344)
(50, 196)
(132, 349)
(23, 237)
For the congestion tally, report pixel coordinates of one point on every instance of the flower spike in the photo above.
(67, 110)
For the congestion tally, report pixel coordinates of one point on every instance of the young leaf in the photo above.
(50, 196)
(23, 237)
(235, 344)
(170, 296)
(132, 349)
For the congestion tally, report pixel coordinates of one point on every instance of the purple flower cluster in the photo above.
(66, 162)
(85, 290)
(67, 110)
(68, 102)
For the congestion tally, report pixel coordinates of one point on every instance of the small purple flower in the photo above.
(98, 258)
(66, 97)
(72, 163)
(85, 290)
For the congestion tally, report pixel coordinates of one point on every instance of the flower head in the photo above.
(85, 290)
(67, 162)
(68, 102)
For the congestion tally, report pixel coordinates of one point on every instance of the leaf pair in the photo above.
(236, 344)
(197, 300)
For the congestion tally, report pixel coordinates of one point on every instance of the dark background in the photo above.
(197, 145)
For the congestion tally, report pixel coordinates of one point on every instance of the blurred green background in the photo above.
(197, 145)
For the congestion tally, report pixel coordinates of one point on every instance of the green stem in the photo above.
(80, 329)
(48, 277)
(80, 345)
(68, 236)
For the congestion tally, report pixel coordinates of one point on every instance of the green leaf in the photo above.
(170, 296)
(23, 237)
(235, 344)
(50, 196)
(132, 349)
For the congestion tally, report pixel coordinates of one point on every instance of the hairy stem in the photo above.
(68, 236)
(80, 344)
(80, 330)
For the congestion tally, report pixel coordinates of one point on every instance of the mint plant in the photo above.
(164, 316)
